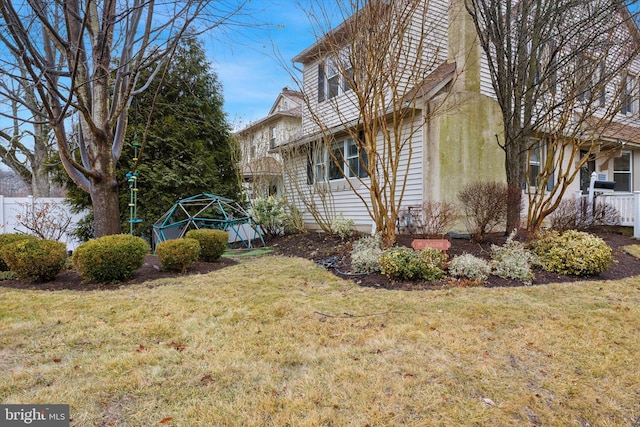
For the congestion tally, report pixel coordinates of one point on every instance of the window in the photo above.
(626, 95)
(334, 78)
(349, 162)
(539, 151)
(535, 156)
(622, 172)
(591, 83)
(272, 136)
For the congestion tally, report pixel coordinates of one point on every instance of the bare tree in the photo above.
(85, 58)
(26, 150)
(372, 60)
(532, 48)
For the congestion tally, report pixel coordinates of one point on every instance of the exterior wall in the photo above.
(340, 197)
(460, 145)
(430, 32)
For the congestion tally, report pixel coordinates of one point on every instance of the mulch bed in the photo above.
(334, 254)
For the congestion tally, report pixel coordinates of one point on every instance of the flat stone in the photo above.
(439, 244)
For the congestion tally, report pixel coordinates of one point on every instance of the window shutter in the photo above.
(310, 165)
(321, 78)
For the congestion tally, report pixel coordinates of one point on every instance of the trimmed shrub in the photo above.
(178, 254)
(270, 214)
(342, 226)
(485, 206)
(573, 253)
(213, 243)
(408, 264)
(7, 239)
(512, 260)
(110, 258)
(365, 257)
(37, 260)
(470, 267)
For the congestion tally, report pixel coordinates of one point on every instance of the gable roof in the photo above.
(431, 84)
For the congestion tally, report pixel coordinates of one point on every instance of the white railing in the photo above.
(627, 205)
(623, 203)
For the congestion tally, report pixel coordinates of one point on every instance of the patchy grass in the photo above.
(278, 341)
(633, 250)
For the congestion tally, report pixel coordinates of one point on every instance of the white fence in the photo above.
(628, 205)
(11, 208)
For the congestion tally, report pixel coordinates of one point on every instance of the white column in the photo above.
(636, 214)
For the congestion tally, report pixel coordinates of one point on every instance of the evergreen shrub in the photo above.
(213, 243)
(110, 258)
(178, 254)
(365, 257)
(470, 267)
(342, 226)
(512, 260)
(408, 264)
(573, 253)
(8, 238)
(34, 259)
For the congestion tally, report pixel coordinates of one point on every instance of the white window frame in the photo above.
(336, 78)
(628, 172)
(627, 96)
(536, 147)
(325, 168)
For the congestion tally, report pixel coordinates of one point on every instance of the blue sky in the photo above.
(245, 62)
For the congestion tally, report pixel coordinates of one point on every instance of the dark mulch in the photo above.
(69, 279)
(330, 251)
(334, 254)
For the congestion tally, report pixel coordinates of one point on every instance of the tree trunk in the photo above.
(106, 208)
(516, 168)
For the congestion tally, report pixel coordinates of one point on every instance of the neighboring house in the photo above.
(262, 170)
(448, 150)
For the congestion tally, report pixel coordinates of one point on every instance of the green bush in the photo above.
(470, 267)
(270, 214)
(408, 264)
(342, 226)
(512, 260)
(365, 257)
(110, 258)
(572, 252)
(178, 254)
(38, 260)
(213, 243)
(8, 238)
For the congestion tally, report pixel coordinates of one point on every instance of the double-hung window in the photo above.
(345, 160)
(626, 95)
(622, 172)
(535, 162)
(334, 77)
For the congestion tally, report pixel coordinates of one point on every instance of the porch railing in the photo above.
(627, 205)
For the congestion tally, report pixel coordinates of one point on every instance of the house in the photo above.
(261, 169)
(447, 123)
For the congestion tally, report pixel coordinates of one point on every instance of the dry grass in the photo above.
(633, 250)
(279, 341)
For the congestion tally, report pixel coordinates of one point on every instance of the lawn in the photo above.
(279, 341)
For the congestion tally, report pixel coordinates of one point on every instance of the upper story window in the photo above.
(272, 136)
(334, 77)
(627, 100)
(590, 81)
